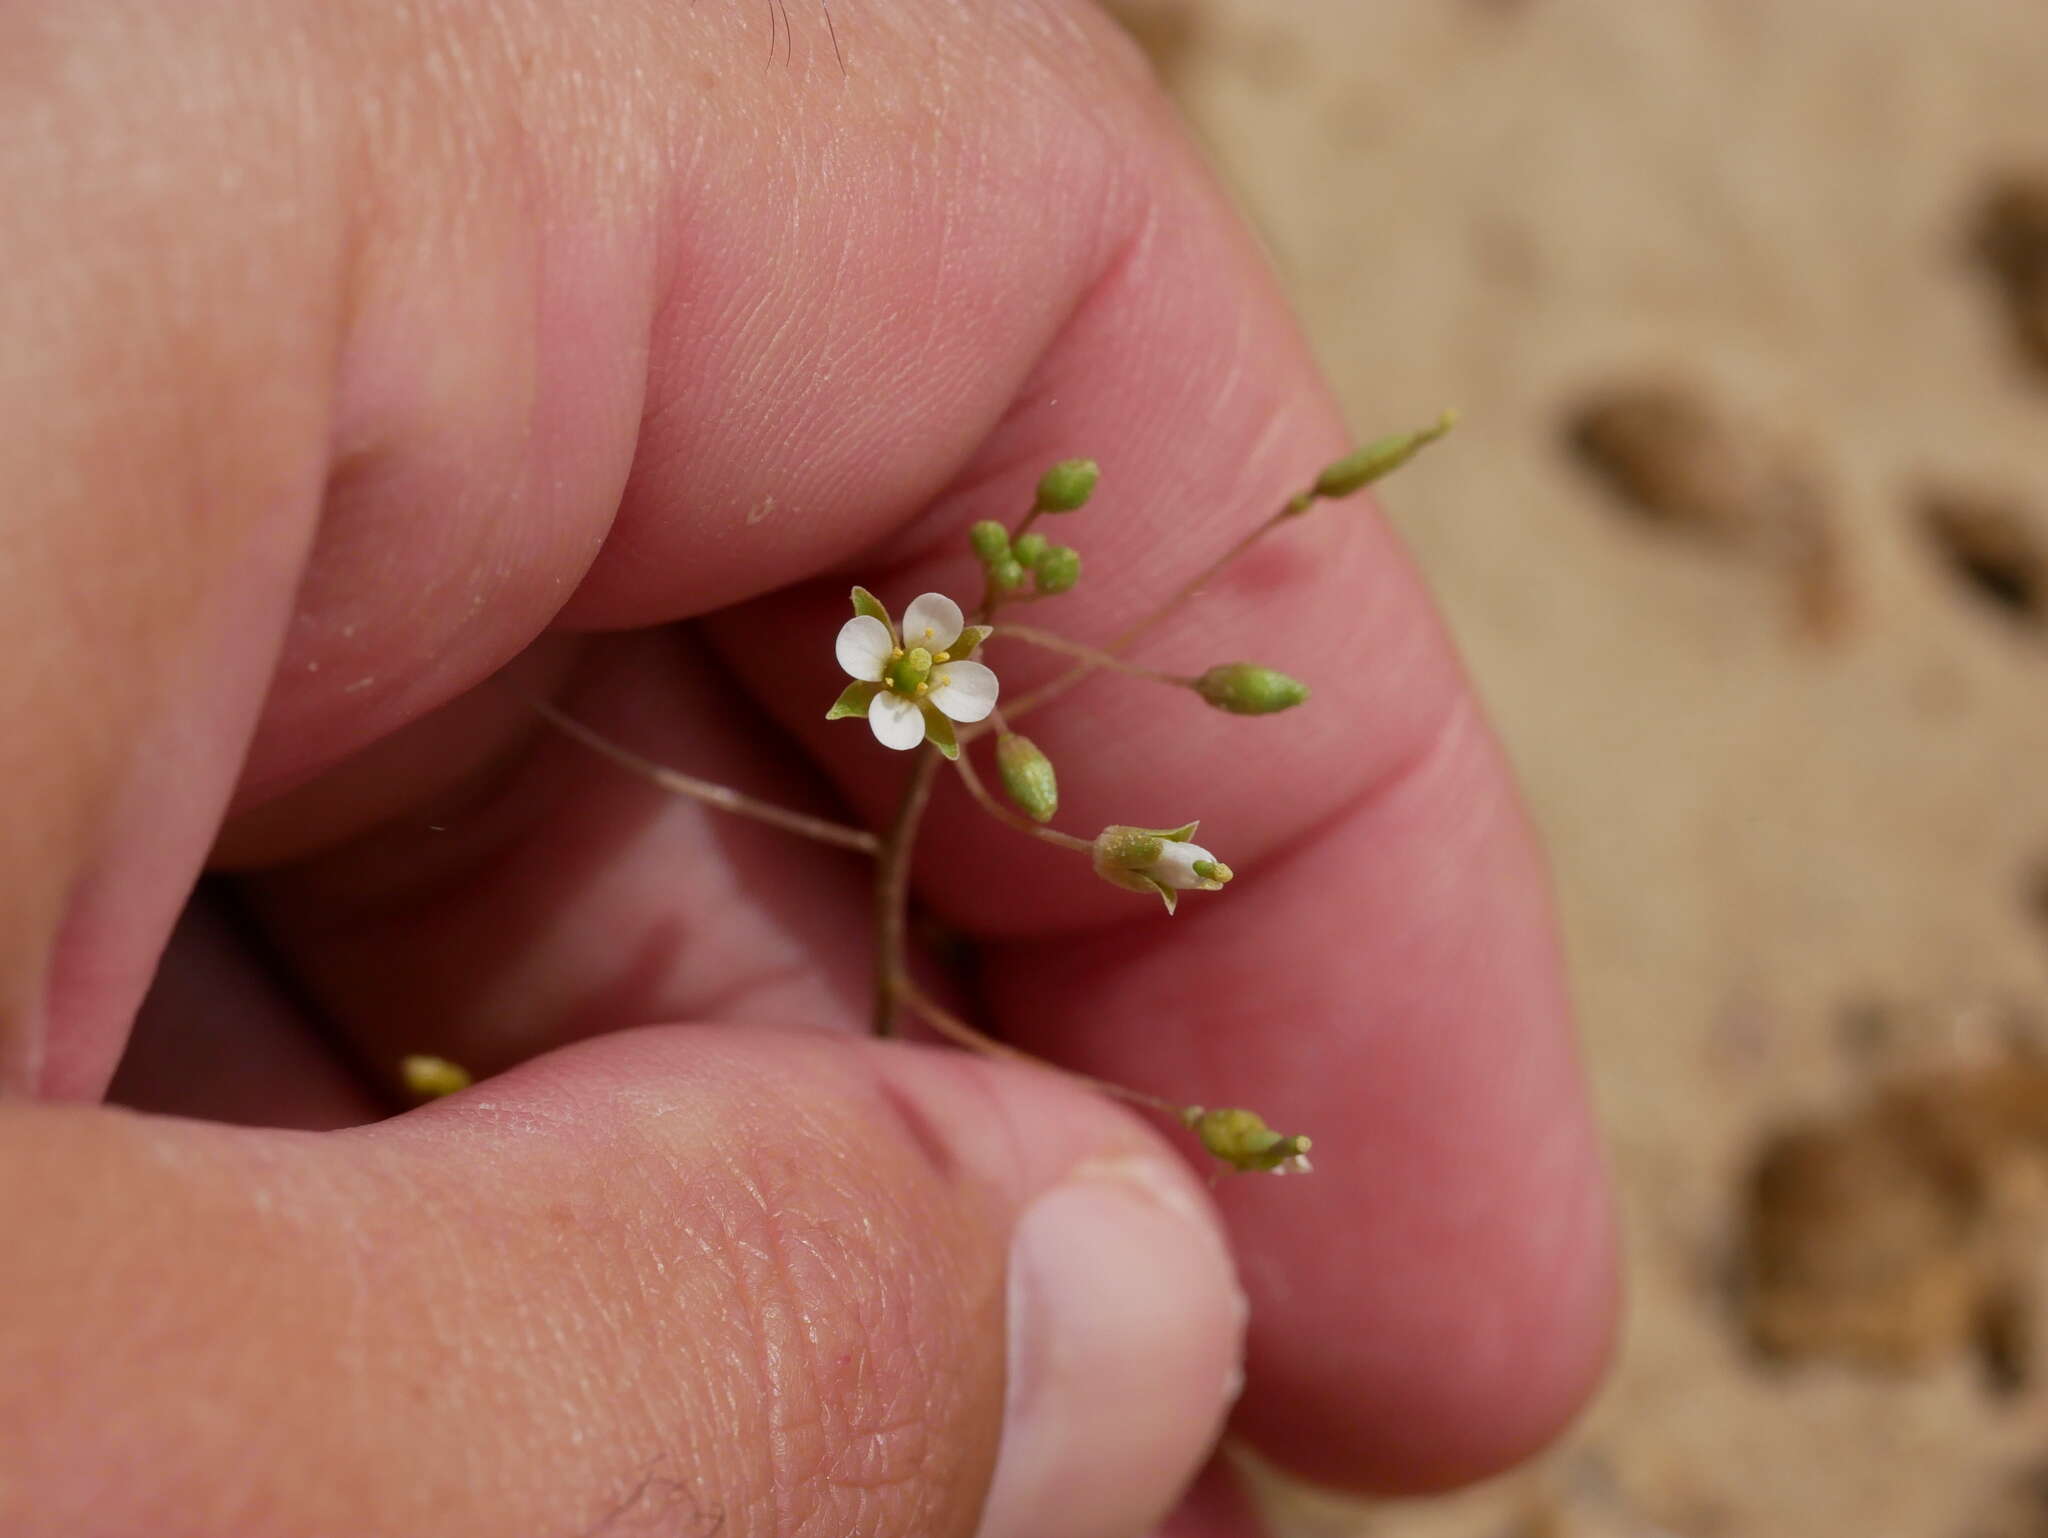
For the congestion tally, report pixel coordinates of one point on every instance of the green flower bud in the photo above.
(1030, 547)
(1028, 776)
(991, 541)
(1163, 861)
(1058, 569)
(1246, 689)
(1067, 485)
(1381, 457)
(1241, 1139)
(1006, 575)
(430, 1078)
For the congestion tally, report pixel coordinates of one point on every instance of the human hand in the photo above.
(369, 369)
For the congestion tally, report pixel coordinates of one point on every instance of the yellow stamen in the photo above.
(895, 652)
(942, 656)
(922, 691)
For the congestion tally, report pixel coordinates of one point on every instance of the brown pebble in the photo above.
(2011, 241)
(1991, 544)
(1675, 461)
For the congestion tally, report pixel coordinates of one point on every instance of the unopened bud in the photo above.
(430, 1078)
(1006, 575)
(1028, 776)
(1241, 1139)
(1030, 547)
(1381, 457)
(1246, 689)
(1058, 569)
(991, 541)
(1067, 485)
(1164, 861)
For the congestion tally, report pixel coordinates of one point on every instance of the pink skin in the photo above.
(785, 336)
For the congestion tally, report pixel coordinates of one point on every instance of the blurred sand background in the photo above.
(1777, 686)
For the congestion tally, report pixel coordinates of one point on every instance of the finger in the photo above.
(711, 1279)
(325, 473)
(1438, 1297)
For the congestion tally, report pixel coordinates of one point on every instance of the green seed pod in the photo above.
(1058, 569)
(1067, 485)
(1381, 457)
(1028, 776)
(1006, 575)
(1246, 689)
(1030, 547)
(991, 541)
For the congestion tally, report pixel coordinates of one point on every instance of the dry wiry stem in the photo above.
(892, 889)
(1051, 641)
(1003, 814)
(960, 1033)
(1051, 690)
(724, 797)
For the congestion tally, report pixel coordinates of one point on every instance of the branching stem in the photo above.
(1051, 690)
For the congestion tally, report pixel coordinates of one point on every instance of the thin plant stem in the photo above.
(711, 793)
(960, 1033)
(1094, 656)
(1051, 690)
(1003, 814)
(892, 888)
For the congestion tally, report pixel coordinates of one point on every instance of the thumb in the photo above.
(686, 1280)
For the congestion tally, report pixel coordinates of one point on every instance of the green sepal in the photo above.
(867, 603)
(968, 639)
(1167, 895)
(854, 699)
(938, 731)
(1179, 835)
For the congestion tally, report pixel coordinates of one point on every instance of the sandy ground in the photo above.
(1774, 669)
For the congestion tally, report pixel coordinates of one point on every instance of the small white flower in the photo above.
(1162, 860)
(910, 686)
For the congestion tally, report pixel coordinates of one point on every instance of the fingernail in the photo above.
(1125, 1331)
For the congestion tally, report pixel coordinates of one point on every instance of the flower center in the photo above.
(907, 674)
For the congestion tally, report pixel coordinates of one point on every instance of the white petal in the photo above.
(932, 621)
(898, 723)
(1176, 867)
(966, 691)
(863, 647)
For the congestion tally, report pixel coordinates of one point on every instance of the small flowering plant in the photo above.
(923, 689)
(912, 687)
